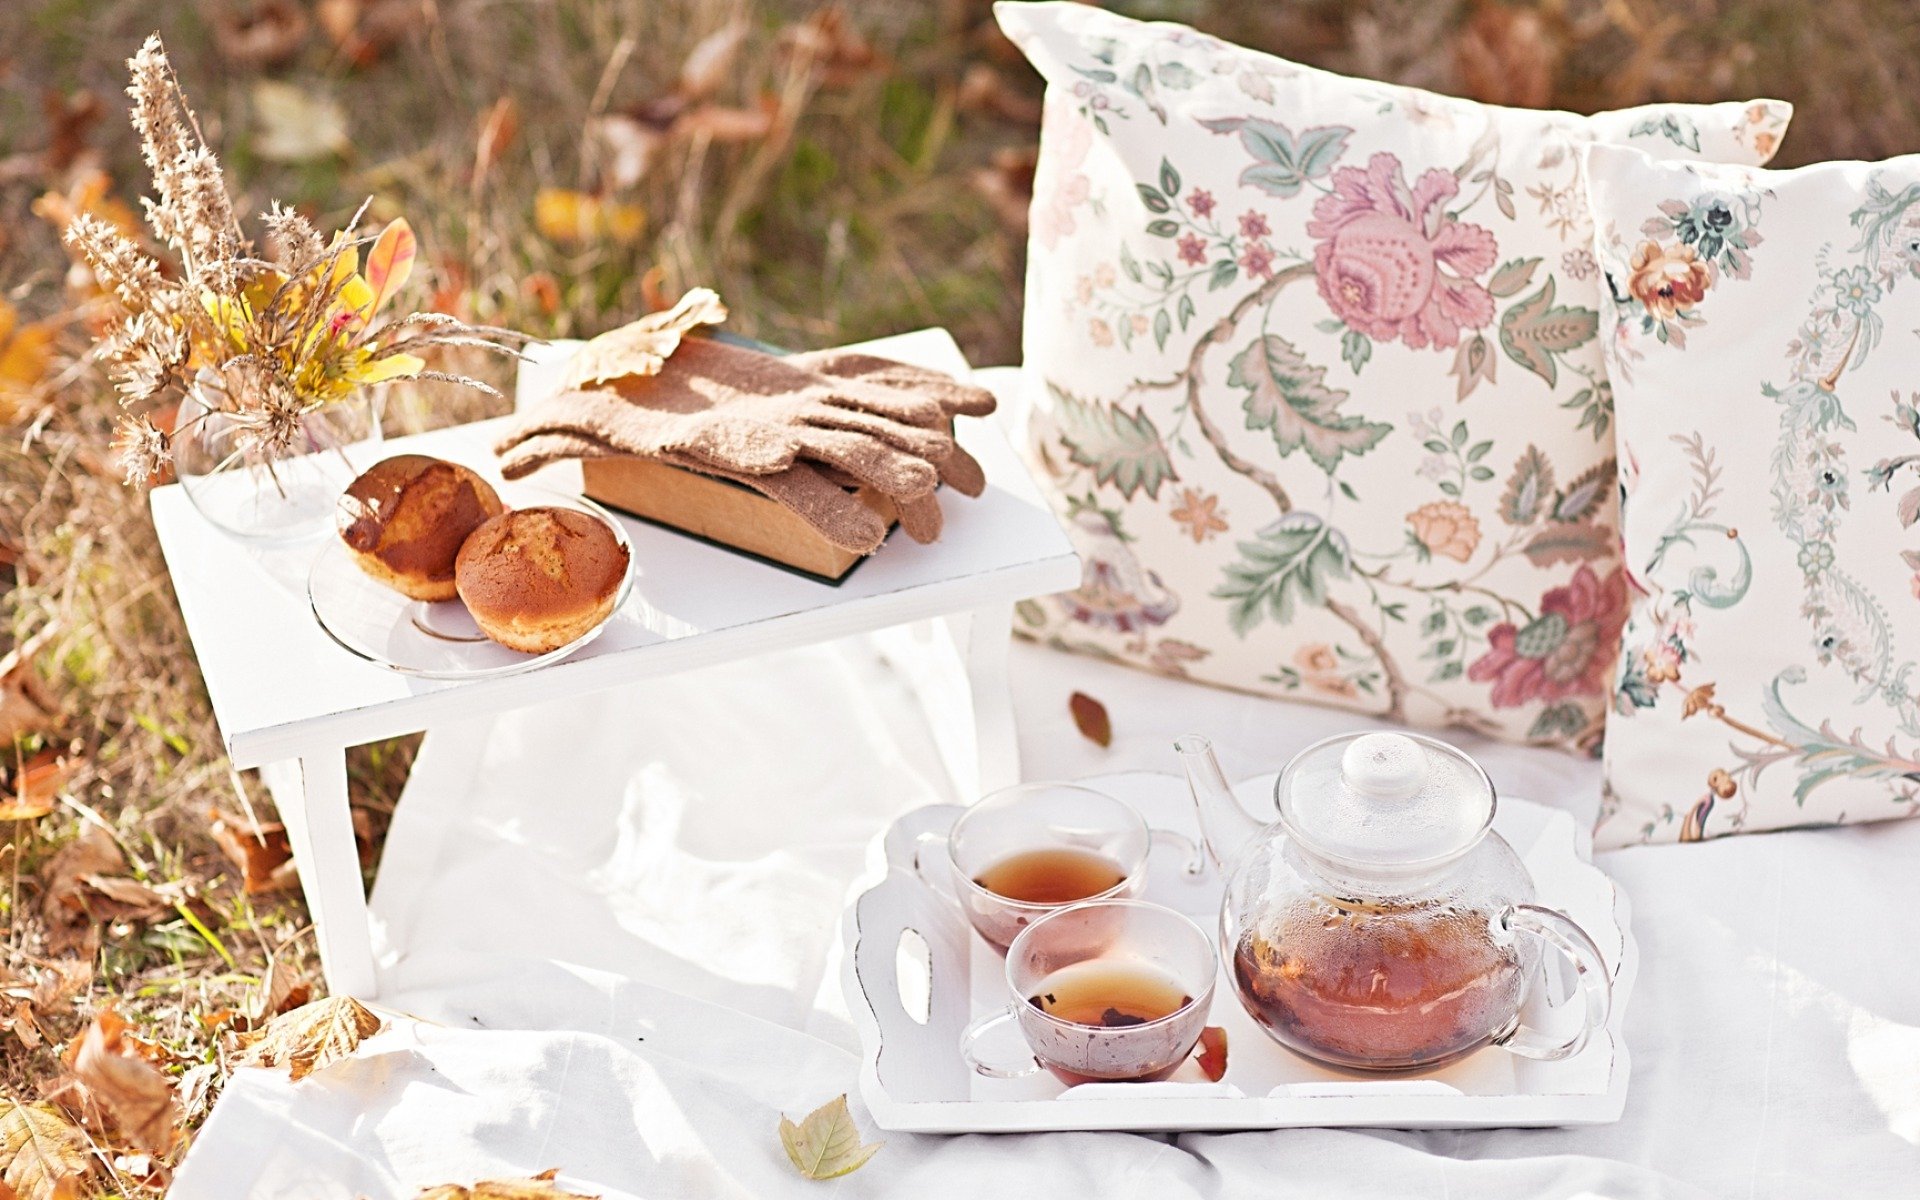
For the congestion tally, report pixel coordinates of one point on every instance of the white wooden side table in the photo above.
(289, 701)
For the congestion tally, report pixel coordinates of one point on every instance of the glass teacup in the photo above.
(1112, 991)
(1026, 851)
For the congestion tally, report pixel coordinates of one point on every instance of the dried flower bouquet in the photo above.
(265, 343)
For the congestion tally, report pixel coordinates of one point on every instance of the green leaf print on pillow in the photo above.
(1535, 330)
(1288, 395)
(1123, 449)
(1287, 566)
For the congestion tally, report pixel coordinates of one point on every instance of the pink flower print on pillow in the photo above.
(1392, 263)
(1059, 185)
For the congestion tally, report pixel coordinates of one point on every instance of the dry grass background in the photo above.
(887, 195)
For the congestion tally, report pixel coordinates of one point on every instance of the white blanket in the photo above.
(617, 924)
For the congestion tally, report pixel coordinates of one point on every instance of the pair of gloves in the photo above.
(800, 429)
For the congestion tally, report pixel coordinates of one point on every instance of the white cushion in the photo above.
(1763, 328)
(1316, 384)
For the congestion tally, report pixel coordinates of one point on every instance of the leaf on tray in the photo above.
(138, 1096)
(532, 1188)
(310, 1038)
(641, 347)
(1090, 718)
(1213, 1052)
(40, 1153)
(826, 1145)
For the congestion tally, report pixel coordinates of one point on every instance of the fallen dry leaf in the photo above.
(1506, 55)
(59, 982)
(985, 90)
(826, 1145)
(499, 126)
(20, 1023)
(621, 146)
(295, 124)
(310, 1038)
(571, 217)
(70, 118)
(26, 351)
(263, 33)
(94, 853)
(1090, 718)
(27, 704)
(264, 855)
(134, 1093)
(34, 789)
(718, 123)
(41, 1155)
(1213, 1052)
(710, 63)
(1007, 185)
(366, 29)
(827, 44)
(281, 991)
(641, 347)
(532, 1188)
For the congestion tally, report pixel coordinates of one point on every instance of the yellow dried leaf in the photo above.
(296, 124)
(826, 1145)
(537, 1187)
(134, 1092)
(641, 347)
(310, 1038)
(564, 215)
(39, 1152)
(26, 351)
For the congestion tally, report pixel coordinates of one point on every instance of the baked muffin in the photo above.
(405, 518)
(536, 579)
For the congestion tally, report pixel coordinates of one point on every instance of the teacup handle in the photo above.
(1560, 933)
(1193, 859)
(940, 882)
(997, 1066)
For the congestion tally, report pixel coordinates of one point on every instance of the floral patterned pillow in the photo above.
(1315, 376)
(1769, 434)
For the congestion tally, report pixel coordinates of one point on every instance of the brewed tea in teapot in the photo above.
(1380, 924)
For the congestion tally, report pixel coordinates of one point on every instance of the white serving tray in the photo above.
(912, 955)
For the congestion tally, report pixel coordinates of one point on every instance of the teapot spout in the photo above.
(1226, 827)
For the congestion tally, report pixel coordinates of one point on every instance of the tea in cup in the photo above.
(1029, 850)
(1112, 991)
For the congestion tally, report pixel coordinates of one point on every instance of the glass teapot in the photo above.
(1381, 924)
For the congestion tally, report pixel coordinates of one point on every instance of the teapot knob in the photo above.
(1384, 766)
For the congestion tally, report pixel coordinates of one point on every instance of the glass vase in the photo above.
(282, 497)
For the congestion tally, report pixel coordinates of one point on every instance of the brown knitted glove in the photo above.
(804, 489)
(799, 429)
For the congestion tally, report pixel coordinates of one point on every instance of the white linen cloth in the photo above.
(617, 923)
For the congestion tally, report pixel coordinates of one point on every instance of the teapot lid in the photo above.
(1385, 801)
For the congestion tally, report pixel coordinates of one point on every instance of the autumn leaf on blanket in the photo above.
(1213, 1052)
(139, 1098)
(310, 1038)
(535, 1187)
(1090, 718)
(41, 1155)
(826, 1145)
(641, 347)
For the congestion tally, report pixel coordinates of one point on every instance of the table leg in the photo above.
(311, 793)
(957, 668)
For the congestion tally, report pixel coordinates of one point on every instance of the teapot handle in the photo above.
(1560, 933)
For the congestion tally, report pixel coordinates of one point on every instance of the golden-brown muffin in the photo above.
(406, 517)
(536, 579)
